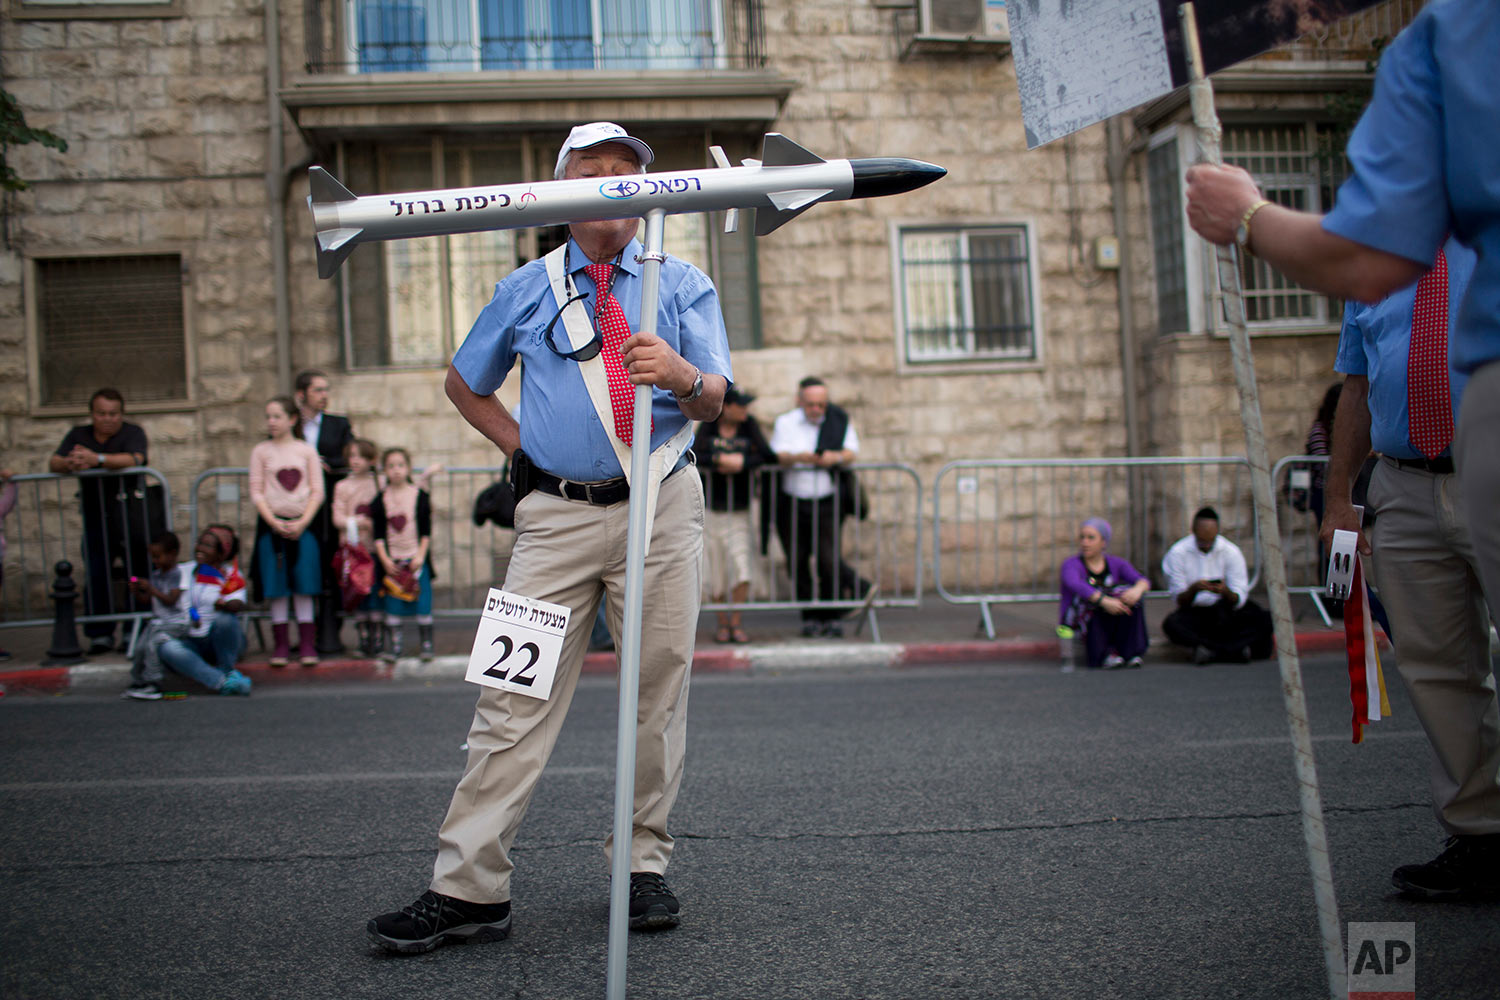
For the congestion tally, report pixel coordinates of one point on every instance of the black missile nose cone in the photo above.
(880, 175)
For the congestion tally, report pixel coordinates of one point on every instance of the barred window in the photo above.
(410, 303)
(1285, 162)
(116, 321)
(1296, 164)
(1165, 189)
(967, 294)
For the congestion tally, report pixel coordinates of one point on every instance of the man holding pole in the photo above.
(1424, 165)
(569, 319)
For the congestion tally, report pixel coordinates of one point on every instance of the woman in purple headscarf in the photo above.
(1101, 594)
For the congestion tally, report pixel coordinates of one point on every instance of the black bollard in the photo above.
(329, 624)
(65, 648)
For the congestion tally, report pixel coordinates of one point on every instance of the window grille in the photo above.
(111, 321)
(1165, 190)
(967, 294)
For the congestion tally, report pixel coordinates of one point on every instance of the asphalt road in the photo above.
(938, 832)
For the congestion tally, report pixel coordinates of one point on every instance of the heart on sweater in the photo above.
(397, 522)
(363, 510)
(289, 478)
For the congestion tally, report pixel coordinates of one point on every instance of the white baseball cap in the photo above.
(594, 133)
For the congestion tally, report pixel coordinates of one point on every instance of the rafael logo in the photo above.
(620, 190)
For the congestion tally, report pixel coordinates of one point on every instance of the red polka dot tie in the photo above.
(613, 330)
(1429, 407)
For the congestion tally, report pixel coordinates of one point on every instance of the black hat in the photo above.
(734, 394)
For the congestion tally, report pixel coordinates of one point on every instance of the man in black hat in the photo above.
(1215, 617)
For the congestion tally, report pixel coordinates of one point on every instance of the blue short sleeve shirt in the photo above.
(560, 430)
(1425, 161)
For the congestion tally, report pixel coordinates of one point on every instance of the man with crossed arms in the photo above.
(1400, 397)
(568, 447)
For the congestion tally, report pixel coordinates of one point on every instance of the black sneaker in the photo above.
(1469, 868)
(142, 692)
(652, 905)
(435, 919)
(1202, 657)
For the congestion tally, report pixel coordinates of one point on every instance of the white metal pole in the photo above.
(1316, 836)
(630, 641)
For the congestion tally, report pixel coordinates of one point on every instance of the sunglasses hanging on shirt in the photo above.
(590, 350)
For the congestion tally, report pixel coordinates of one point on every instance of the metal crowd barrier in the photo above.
(1001, 528)
(1297, 484)
(869, 537)
(466, 559)
(106, 545)
(884, 547)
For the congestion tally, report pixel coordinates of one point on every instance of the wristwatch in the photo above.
(1242, 231)
(693, 393)
(100, 463)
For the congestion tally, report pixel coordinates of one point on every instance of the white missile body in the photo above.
(785, 182)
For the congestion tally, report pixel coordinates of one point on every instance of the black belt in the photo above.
(604, 493)
(1436, 466)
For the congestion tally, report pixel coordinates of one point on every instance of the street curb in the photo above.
(763, 658)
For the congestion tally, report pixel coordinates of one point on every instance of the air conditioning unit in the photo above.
(962, 21)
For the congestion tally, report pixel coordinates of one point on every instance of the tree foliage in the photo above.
(15, 132)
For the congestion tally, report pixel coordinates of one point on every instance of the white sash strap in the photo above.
(580, 331)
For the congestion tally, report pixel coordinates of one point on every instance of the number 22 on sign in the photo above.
(518, 644)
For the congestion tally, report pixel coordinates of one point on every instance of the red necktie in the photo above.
(1429, 407)
(613, 330)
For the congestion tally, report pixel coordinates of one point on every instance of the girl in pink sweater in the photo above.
(286, 486)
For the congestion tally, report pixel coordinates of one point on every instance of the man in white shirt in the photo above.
(1215, 617)
(811, 443)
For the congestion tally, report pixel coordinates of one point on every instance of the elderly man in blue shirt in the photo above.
(565, 317)
(1424, 563)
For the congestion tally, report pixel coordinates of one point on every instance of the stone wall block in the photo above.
(237, 153)
(40, 34)
(63, 64)
(175, 156)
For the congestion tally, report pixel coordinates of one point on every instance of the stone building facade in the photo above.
(969, 319)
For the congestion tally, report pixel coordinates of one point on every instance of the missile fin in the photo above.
(797, 199)
(325, 188)
(779, 151)
(329, 258)
(768, 221)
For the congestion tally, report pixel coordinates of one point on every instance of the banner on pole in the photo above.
(1078, 63)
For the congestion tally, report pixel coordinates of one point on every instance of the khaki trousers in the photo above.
(1429, 583)
(573, 553)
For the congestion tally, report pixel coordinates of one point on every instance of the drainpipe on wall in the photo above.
(1116, 155)
(275, 196)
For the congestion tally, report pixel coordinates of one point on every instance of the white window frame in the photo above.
(1204, 304)
(966, 365)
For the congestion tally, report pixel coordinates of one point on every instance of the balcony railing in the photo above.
(1356, 38)
(405, 36)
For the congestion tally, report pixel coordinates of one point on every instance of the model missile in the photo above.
(785, 182)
